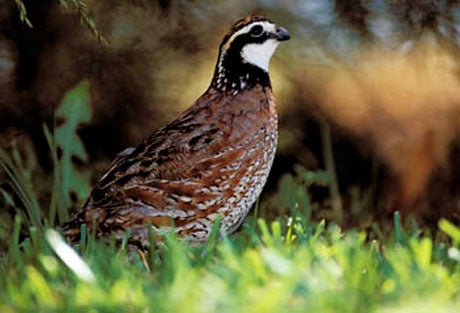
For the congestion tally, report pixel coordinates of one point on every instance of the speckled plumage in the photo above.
(213, 160)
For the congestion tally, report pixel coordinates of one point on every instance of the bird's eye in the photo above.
(256, 31)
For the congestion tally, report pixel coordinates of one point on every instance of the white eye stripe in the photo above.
(267, 26)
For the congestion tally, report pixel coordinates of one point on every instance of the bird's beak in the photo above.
(282, 34)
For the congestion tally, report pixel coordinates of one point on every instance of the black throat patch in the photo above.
(233, 75)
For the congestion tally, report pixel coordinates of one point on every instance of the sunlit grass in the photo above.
(260, 269)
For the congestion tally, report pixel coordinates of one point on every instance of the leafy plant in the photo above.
(23, 13)
(78, 6)
(82, 11)
(294, 190)
(67, 148)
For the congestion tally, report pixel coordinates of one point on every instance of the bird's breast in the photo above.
(249, 151)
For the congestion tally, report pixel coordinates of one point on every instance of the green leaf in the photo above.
(75, 110)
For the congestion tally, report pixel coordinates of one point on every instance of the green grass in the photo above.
(284, 266)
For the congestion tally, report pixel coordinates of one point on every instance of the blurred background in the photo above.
(367, 93)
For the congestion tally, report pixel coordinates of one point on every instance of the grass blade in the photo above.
(22, 188)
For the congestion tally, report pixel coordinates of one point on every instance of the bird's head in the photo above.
(245, 53)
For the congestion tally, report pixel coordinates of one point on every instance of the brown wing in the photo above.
(157, 182)
(171, 153)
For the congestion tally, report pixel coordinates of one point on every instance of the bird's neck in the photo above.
(233, 75)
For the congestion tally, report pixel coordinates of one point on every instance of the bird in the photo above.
(208, 165)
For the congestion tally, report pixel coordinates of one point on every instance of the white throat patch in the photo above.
(259, 54)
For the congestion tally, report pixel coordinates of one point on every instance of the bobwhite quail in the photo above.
(212, 160)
